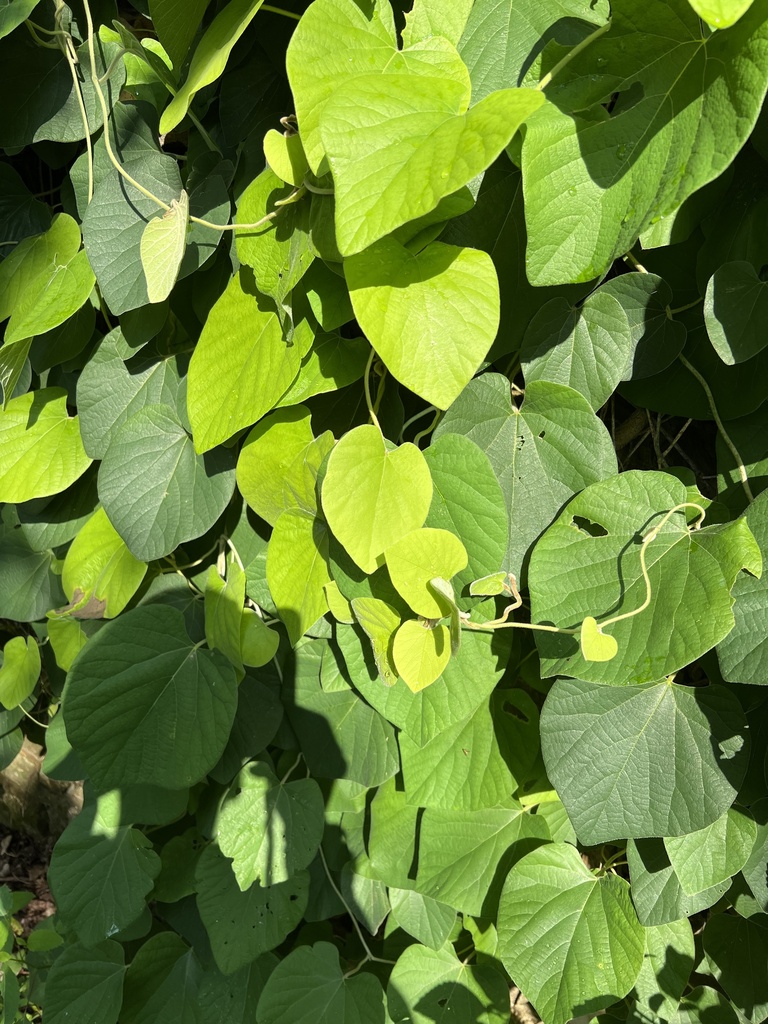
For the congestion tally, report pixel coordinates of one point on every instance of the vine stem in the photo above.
(367, 386)
(573, 53)
(290, 770)
(66, 47)
(279, 10)
(720, 426)
(429, 429)
(369, 956)
(297, 194)
(414, 419)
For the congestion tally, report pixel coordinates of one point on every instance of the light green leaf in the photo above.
(19, 670)
(86, 984)
(604, 746)
(241, 364)
(258, 643)
(145, 705)
(596, 645)
(420, 653)
(365, 895)
(464, 856)
(735, 947)
(224, 601)
(308, 987)
(429, 985)
(341, 736)
(703, 1001)
(588, 564)
(656, 891)
(297, 571)
(615, 176)
(155, 489)
(332, 363)
(430, 18)
(101, 871)
(278, 464)
(743, 653)
(589, 348)
(488, 586)
(100, 575)
(667, 965)
(13, 13)
(427, 920)
(416, 559)
(40, 448)
(269, 828)
(67, 638)
(210, 57)
(380, 622)
(162, 248)
(573, 941)
(243, 925)
(705, 858)
(13, 363)
(542, 454)
(720, 13)
(278, 252)
(372, 497)
(285, 155)
(431, 315)
(176, 22)
(735, 304)
(334, 40)
(385, 179)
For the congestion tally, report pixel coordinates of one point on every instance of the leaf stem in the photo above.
(573, 53)
(721, 427)
(71, 61)
(367, 386)
(279, 10)
(417, 416)
(368, 954)
(290, 770)
(429, 429)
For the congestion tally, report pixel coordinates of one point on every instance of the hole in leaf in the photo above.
(442, 1002)
(588, 527)
(542, 433)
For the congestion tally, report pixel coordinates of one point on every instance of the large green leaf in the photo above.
(736, 950)
(241, 364)
(656, 891)
(736, 303)
(743, 653)
(101, 871)
(13, 13)
(40, 448)
(270, 828)
(572, 941)
(243, 925)
(428, 985)
(384, 180)
(464, 856)
(372, 496)
(176, 22)
(109, 390)
(210, 57)
(685, 749)
(429, 921)
(542, 454)
(686, 104)
(157, 491)
(86, 984)
(146, 705)
(430, 315)
(708, 857)
(588, 564)
(667, 965)
(309, 987)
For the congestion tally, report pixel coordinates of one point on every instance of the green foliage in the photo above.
(383, 507)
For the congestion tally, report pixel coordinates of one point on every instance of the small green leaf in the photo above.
(380, 622)
(372, 497)
(708, 857)
(162, 248)
(735, 304)
(210, 57)
(735, 947)
(427, 920)
(297, 571)
(420, 653)
(176, 22)
(488, 586)
(570, 939)
(720, 13)
(269, 828)
(285, 155)
(258, 643)
(419, 557)
(19, 671)
(41, 452)
(596, 645)
(431, 315)
(224, 600)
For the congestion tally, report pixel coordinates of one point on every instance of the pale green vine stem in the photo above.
(573, 53)
(429, 429)
(367, 386)
(291, 770)
(721, 427)
(279, 10)
(297, 194)
(69, 52)
(430, 410)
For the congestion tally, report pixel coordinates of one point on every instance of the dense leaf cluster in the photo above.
(383, 468)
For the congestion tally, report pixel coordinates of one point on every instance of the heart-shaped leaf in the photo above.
(421, 653)
(596, 645)
(162, 248)
(419, 557)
